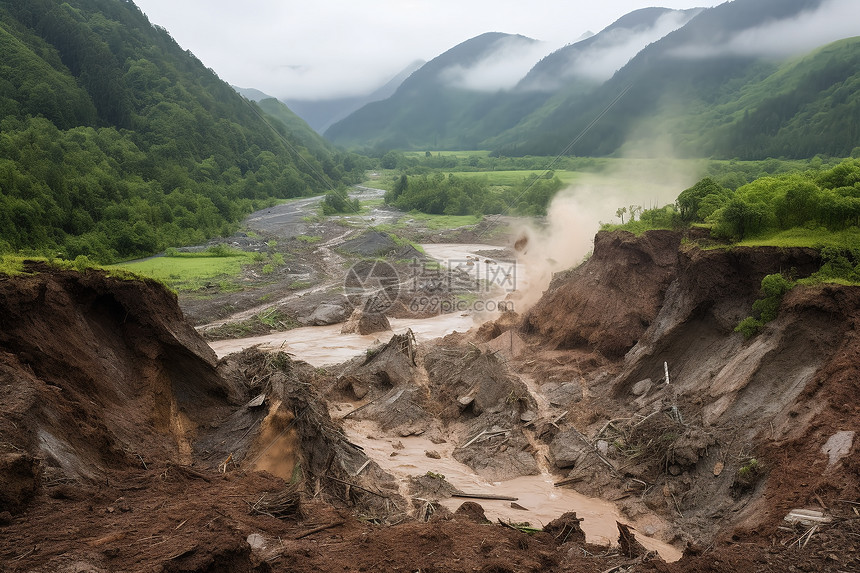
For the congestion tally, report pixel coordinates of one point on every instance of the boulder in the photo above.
(567, 450)
(325, 314)
(363, 322)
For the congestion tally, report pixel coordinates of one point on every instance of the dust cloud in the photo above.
(566, 237)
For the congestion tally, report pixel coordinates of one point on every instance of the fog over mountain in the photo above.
(596, 57)
(502, 67)
(700, 82)
(817, 25)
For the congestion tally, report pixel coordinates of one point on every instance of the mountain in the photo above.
(117, 143)
(676, 86)
(252, 93)
(594, 59)
(322, 113)
(296, 126)
(430, 108)
(810, 105)
(747, 78)
(485, 112)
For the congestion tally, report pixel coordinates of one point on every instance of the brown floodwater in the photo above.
(542, 500)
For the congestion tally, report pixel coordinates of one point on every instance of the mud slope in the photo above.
(746, 430)
(125, 447)
(111, 368)
(117, 427)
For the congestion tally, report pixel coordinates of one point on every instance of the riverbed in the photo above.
(543, 502)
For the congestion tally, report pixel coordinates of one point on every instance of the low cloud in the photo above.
(833, 20)
(611, 51)
(608, 52)
(505, 64)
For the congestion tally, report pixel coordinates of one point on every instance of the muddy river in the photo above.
(322, 345)
(542, 501)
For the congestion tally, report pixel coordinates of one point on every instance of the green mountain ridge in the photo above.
(688, 94)
(117, 143)
(427, 110)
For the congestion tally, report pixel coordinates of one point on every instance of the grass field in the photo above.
(802, 237)
(438, 222)
(457, 154)
(189, 272)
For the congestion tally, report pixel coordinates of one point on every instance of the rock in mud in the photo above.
(568, 450)
(20, 476)
(838, 446)
(471, 511)
(325, 314)
(642, 387)
(496, 448)
(364, 322)
(566, 528)
(463, 378)
(431, 486)
(563, 395)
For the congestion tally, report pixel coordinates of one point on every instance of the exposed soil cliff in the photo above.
(745, 430)
(125, 447)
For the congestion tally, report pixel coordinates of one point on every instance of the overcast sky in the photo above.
(320, 49)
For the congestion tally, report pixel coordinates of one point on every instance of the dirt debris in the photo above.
(145, 451)
(762, 411)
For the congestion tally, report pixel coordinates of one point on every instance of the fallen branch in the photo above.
(362, 407)
(361, 469)
(382, 495)
(609, 423)
(482, 434)
(558, 418)
(484, 496)
(23, 555)
(596, 451)
(318, 529)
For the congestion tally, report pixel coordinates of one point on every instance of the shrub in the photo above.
(773, 288)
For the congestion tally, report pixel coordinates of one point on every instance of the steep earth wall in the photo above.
(746, 423)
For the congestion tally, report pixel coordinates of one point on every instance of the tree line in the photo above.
(819, 199)
(828, 199)
(440, 194)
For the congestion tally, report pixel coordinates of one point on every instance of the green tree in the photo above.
(701, 200)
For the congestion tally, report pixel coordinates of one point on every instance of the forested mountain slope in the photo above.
(115, 142)
(704, 90)
(438, 104)
(748, 78)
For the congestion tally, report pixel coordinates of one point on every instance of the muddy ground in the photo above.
(125, 445)
(318, 253)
